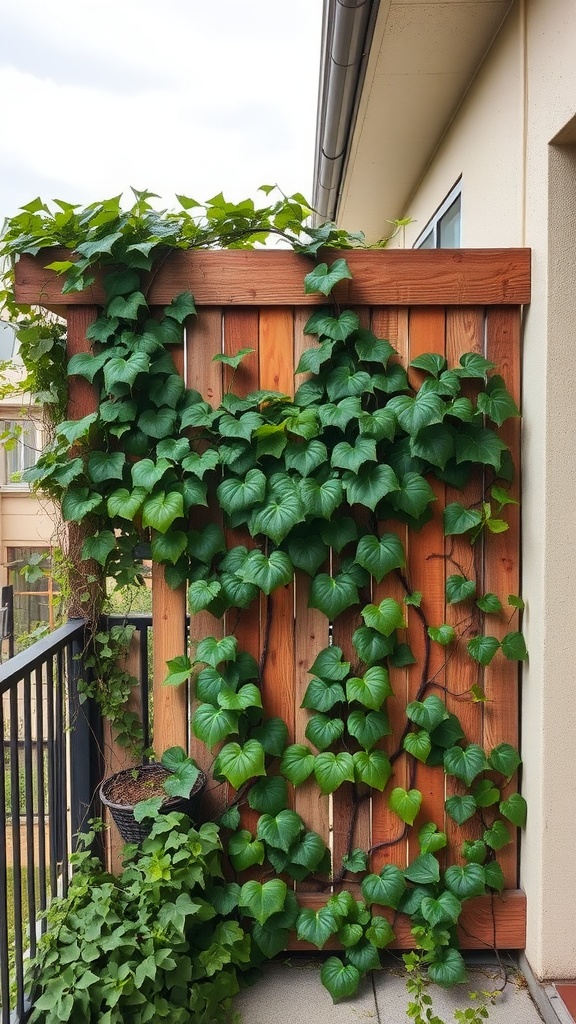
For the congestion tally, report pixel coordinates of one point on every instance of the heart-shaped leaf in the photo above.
(280, 831)
(333, 594)
(514, 808)
(460, 808)
(384, 617)
(380, 556)
(424, 870)
(465, 881)
(245, 851)
(323, 731)
(211, 725)
(238, 763)
(386, 889)
(372, 767)
(269, 795)
(465, 763)
(261, 901)
(367, 727)
(428, 713)
(430, 839)
(405, 804)
(322, 695)
(316, 926)
(297, 763)
(331, 770)
(370, 690)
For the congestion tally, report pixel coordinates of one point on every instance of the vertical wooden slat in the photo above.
(310, 637)
(86, 580)
(502, 571)
(276, 356)
(464, 333)
(391, 324)
(116, 757)
(203, 342)
(168, 626)
(427, 574)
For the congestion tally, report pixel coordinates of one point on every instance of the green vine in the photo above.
(310, 478)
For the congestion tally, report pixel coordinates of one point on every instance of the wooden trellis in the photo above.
(448, 302)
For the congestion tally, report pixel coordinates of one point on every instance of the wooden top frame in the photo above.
(399, 277)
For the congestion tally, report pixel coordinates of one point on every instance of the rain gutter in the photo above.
(347, 28)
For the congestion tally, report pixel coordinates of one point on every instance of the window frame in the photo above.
(433, 225)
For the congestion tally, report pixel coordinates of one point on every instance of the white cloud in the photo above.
(180, 96)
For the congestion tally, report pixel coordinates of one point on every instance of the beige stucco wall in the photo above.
(517, 189)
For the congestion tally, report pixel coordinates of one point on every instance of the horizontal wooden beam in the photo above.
(397, 277)
(486, 922)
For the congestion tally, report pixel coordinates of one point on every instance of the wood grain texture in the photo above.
(464, 333)
(427, 573)
(116, 757)
(502, 573)
(168, 625)
(487, 922)
(258, 278)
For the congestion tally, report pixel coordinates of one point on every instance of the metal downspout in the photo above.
(345, 32)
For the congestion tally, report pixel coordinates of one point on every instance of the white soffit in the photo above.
(422, 59)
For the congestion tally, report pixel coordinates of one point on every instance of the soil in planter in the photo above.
(129, 791)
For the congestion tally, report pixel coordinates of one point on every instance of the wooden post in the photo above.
(169, 639)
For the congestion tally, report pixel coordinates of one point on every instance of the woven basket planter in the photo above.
(147, 778)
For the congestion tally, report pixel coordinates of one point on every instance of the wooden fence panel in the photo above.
(443, 302)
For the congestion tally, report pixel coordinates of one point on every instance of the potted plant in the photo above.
(175, 783)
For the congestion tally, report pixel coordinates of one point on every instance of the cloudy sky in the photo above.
(177, 96)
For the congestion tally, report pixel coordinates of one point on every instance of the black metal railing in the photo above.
(50, 771)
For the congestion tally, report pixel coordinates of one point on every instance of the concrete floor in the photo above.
(291, 993)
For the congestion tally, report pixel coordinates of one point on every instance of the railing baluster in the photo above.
(4, 973)
(41, 797)
(29, 816)
(16, 853)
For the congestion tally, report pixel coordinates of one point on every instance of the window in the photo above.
(443, 230)
(37, 599)
(21, 445)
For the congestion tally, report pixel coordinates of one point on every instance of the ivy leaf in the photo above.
(490, 604)
(515, 809)
(355, 862)
(160, 510)
(157, 423)
(367, 727)
(316, 926)
(443, 635)
(372, 767)
(322, 278)
(321, 499)
(244, 851)
(514, 647)
(430, 839)
(235, 495)
(460, 808)
(370, 645)
(458, 519)
(269, 795)
(465, 763)
(340, 979)
(465, 881)
(329, 665)
(282, 510)
(99, 546)
(305, 458)
(371, 349)
(385, 617)
(504, 759)
(248, 696)
(405, 804)
(448, 732)
(458, 588)
(428, 713)
(379, 425)
(307, 552)
(496, 402)
(385, 889)
(448, 967)
(322, 695)
(431, 362)
(364, 956)
(350, 934)
(212, 725)
(485, 793)
(263, 900)
(309, 851)
(414, 496)
(372, 689)
(213, 651)
(238, 763)
(78, 502)
(346, 456)
(424, 870)
(340, 415)
(418, 744)
(297, 763)
(474, 365)
(243, 427)
(331, 770)
(497, 835)
(280, 831)
(168, 547)
(333, 594)
(483, 648)
(494, 876)
(146, 473)
(478, 444)
(267, 572)
(323, 731)
(474, 851)
(370, 485)
(415, 413)
(75, 430)
(380, 556)
(181, 307)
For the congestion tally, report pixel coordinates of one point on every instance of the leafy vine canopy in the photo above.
(317, 481)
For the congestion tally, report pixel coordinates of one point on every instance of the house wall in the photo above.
(519, 188)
